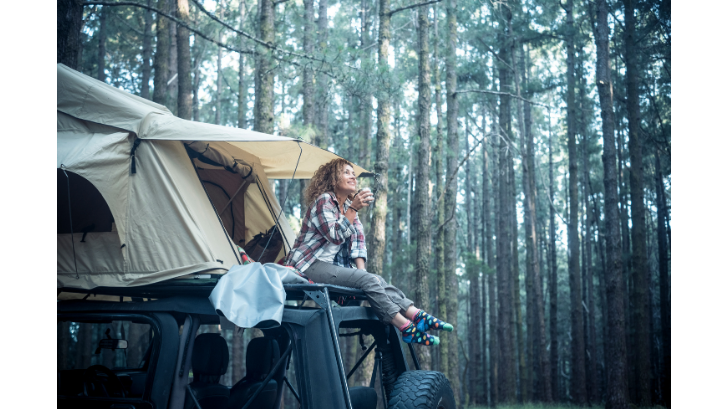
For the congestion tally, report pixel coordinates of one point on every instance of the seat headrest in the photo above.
(262, 354)
(210, 355)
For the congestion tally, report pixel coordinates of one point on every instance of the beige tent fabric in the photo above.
(166, 226)
(86, 98)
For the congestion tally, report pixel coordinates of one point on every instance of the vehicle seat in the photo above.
(209, 362)
(261, 356)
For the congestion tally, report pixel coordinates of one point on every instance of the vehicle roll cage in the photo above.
(189, 296)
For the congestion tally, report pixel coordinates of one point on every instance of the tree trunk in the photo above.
(662, 212)
(523, 373)
(69, 21)
(184, 64)
(218, 97)
(421, 194)
(536, 324)
(494, 280)
(101, 73)
(242, 86)
(578, 368)
(438, 159)
(520, 372)
(264, 77)
(639, 303)
(308, 101)
(590, 316)
(173, 78)
(196, 82)
(366, 105)
(146, 52)
(323, 82)
(474, 381)
(592, 357)
(450, 202)
(507, 382)
(553, 280)
(197, 55)
(489, 277)
(238, 351)
(161, 57)
(377, 244)
(617, 392)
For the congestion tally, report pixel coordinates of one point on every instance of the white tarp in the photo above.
(253, 294)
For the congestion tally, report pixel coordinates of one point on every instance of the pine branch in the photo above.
(482, 91)
(161, 13)
(270, 46)
(227, 47)
(391, 13)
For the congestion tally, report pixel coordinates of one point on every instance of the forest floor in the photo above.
(551, 406)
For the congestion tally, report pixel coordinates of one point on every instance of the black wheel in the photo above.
(422, 390)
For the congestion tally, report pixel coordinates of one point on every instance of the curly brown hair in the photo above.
(324, 179)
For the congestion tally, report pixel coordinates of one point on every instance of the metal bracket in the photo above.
(319, 298)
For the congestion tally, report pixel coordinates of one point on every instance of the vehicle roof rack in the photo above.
(203, 288)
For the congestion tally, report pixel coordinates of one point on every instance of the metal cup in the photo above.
(367, 190)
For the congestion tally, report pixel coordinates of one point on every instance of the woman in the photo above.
(331, 240)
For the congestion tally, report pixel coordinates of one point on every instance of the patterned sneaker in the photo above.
(411, 335)
(424, 322)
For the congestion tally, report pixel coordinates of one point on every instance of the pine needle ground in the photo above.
(552, 406)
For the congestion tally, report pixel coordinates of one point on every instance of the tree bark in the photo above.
(523, 371)
(161, 57)
(377, 244)
(421, 194)
(184, 64)
(450, 202)
(172, 73)
(218, 97)
(474, 381)
(242, 86)
(553, 279)
(578, 368)
(662, 212)
(146, 52)
(439, 164)
(264, 77)
(366, 104)
(506, 367)
(323, 82)
(495, 352)
(69, 21)
(308, 96)
(639, 299)
(101, 64)
(536, 326)
(617, 390)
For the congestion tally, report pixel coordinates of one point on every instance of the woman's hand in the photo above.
(363, 198)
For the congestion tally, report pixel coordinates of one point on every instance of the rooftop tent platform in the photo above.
(195, 288)
(144, 196)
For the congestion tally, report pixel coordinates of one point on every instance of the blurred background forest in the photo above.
(523, 153)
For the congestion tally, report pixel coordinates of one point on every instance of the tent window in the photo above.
(90, 212)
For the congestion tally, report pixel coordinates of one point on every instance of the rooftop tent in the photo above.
(146, 194)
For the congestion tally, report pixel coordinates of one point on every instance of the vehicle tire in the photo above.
(422, 390)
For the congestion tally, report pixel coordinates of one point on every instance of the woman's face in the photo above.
(346, 181)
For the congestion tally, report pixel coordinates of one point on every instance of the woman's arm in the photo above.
(323, 214)
(360, 263)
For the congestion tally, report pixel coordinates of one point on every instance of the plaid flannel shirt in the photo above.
(324, 222)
